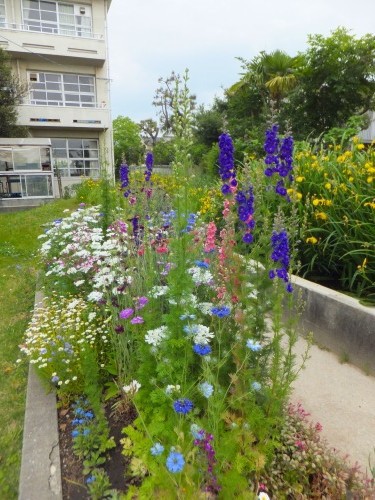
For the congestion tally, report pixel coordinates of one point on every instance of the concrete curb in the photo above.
(339, 323)
(40, 476)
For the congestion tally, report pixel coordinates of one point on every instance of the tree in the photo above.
(336, 81)
(166, 102)
(12, 92)
(127, 141)
(208, 125)
(150, 128)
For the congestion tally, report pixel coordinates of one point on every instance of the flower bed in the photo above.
(153, 312)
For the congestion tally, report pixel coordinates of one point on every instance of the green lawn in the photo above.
(18, 271)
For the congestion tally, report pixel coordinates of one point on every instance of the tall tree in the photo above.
(336, 81)
(166, 102)
(127, 141)
(12, 92)
(150, 128)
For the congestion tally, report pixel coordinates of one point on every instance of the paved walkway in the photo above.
(342, 398)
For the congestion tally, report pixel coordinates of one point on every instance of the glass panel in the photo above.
(58, 143)
(75, 153)
(76, 168)
(66, 9)
(45, 158)
(38, 185)
(27, 159)
(71, 98)
(70, 78)
(53, 86)
(38, 95)
(48, 6)
(90, 143)
(59, 153)
(31, 4)
(52, 77)
(54, 96)
(71, 87)
(33, 14)
(75, 143)
(48, 16)
(90, 153)
(6, 161)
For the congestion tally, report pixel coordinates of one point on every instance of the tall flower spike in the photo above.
(149, 166)
(124, 178)
(226, 164)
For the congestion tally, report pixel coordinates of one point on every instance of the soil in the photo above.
(72, 478)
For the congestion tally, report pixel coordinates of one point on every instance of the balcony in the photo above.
(97, 118)
(26, 44)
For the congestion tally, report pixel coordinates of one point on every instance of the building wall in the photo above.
(37, 52)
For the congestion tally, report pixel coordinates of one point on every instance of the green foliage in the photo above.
(337, 200)
(11, 94)
(127, 141)
(336, 81)
(163, 152)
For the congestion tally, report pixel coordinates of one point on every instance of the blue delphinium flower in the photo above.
(279, 159)
(221, 311)
(192, 218)
(206, 389)
(280, 255)
(124, 178)
(245, 211)
(226, 163)
(253, 345)
(202, 350)
(149, 165)
(157, 449)
(175, 462)
(183, 406)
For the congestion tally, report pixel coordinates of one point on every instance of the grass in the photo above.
(18, 272)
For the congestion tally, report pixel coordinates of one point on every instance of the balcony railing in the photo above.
(51, 31)
(90, 105)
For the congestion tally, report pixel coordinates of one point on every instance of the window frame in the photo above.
(63, 94)
(79, 160)
(58, 27)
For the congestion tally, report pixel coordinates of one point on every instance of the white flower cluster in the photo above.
(132, 388)
(156, 336)
(202, 335)
(201, 276)
(59, 332)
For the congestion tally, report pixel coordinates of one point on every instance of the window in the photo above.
(55, 89)
(57, 17)
(76, 157)
(2, 13)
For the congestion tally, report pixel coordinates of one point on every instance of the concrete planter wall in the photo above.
(339, 323)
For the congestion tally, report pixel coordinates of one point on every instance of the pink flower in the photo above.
(126, 313)
(137, 320)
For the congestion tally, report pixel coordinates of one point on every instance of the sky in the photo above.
(149, 39)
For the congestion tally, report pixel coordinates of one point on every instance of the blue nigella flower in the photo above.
(202, 350)
(90, 479)
(86, 432)
(196, 431)
(256, 386)
(253, 345)
(183, 317)
(221, 311)
(157, 449)
(206, 389)
(202, 263)
(175, 462)
(75, 433)
(183, 406)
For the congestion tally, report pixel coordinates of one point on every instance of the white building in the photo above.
(60, 49)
